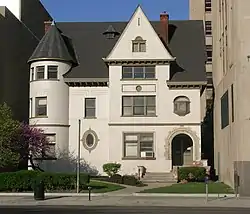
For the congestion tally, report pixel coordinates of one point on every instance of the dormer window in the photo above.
(139, 45)
(111, 33)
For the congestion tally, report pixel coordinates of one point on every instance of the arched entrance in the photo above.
(182, 150)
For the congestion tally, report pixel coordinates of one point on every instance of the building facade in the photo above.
(231, 107)
(127, 92)
(22, 27)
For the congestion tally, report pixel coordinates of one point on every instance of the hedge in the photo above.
(192, 174)
(24, 180)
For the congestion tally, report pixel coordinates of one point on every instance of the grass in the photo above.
(193, 188)
(102, 187)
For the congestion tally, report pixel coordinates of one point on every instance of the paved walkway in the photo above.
(127, 201)
(132, 189)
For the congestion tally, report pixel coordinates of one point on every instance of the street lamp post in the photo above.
(78, 158)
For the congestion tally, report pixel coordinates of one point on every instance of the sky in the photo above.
(113, 10)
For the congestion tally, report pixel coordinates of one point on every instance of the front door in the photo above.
(182, 150)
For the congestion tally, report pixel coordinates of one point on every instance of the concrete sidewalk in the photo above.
(127, 201)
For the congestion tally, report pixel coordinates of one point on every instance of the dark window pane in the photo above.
(224, 110)
(135, 47)
(150, 101)
(139, 101)
(127, 101)
(149, 72)
(127, 72)
(40, 72)
(90, 112)
(52, 72)
(90, 102)
(90, 140)
(142, 47)
(139, 110)
(138, 72)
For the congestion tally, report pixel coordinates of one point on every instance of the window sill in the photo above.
(139, 79)
(139, 116)
(90, 118)
(36, 117)
(138, 158)
(42, 80)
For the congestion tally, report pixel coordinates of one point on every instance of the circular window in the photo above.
(89, 140)
(138, 88)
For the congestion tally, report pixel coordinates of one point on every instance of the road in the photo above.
(120, 210)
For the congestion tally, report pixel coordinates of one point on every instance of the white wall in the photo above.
(13, 5)
(100, 154)
(57, 93)
(164, 98)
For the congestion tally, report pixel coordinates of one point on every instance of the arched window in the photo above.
(90, 140)
(181, 106)
(139, 45)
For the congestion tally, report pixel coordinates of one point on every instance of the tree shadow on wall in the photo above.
(66, 163)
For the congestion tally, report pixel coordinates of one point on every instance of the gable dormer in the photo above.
(139, 41)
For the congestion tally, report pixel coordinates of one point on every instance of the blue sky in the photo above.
(113, 10)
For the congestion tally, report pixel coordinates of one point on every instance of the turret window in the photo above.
(52, 72)
(32, 74)
(41, 106)
(40, 72)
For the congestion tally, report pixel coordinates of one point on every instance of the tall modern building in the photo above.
(22, 27)
(231, 75)
(202, 10)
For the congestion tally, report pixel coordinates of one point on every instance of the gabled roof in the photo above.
(54, 46)
(186, 43)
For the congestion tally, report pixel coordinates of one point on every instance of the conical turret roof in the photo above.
(54, 46)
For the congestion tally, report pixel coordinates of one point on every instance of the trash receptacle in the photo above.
(39, 190)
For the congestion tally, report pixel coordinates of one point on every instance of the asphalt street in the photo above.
(120, 210)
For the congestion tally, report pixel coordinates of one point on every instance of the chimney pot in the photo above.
(164, 20)
(47, 25)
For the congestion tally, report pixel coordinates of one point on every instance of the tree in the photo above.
(8, 133)
(19, 141)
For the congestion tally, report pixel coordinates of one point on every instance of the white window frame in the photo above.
(37, 99)
(89, 107)
(136, 139)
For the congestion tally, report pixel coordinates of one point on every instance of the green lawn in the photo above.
(102, 187)
(192, 188)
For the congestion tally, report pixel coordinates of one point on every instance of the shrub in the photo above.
(24, 180)
(192, 174)
(111, 168)
(130, 180)
(116, 179)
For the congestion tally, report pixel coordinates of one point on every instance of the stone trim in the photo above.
(181, 130)
(154, 124)
(49, 125)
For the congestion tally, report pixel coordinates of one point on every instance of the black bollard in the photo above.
(89, 188)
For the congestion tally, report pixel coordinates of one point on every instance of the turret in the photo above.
(49, 94)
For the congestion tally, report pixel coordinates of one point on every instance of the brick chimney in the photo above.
(164, 20)
(47, 25)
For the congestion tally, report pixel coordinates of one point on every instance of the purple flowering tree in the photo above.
(32, 144)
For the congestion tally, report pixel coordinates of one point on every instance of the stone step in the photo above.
(158, 177)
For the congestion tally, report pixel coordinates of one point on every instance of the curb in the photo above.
(173, 195)
(221, 195)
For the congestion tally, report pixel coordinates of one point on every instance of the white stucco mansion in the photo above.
(129, 91)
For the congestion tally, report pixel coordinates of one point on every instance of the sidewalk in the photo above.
(127, 201)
